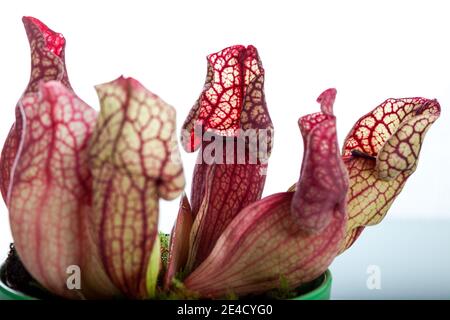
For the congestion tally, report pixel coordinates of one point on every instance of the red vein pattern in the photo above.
(266, 242)
(225, 190)
(50, 192)
(381, 152)
(231, 108)
(131, 160)
(47, 63)
(232, 97)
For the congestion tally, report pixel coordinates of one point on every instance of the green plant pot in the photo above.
(321, 292)
(6, 293)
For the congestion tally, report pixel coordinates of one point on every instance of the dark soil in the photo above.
(15, 276)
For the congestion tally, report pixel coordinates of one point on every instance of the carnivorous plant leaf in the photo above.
(231, 166)
(179, 242)
(47, 63)
(131, 158)
(267, 241)
(153, 268)
(50, 192)
(321, 174)
(381, 152)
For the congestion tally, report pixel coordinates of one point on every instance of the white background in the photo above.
(369, 51)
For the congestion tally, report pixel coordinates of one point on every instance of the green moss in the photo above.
(283, 292)
(165, 241)
(177, 292)
(231, 296)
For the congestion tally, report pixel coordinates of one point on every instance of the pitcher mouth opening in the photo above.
(321, 291)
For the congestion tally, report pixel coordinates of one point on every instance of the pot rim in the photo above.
(320, 290)
(13, 294)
